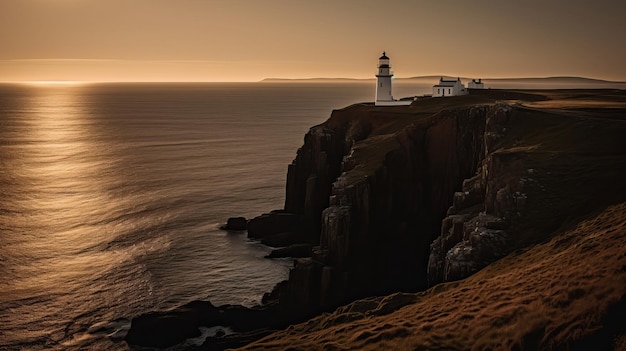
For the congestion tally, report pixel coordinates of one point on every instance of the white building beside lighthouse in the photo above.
(453, 87)
(476, 84)
(383, 84)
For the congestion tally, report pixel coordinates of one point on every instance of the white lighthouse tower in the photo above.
(383, 84)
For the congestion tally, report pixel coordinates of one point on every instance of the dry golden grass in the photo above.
(555, 295)
(566, 103)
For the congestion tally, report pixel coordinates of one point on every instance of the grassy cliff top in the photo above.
(390, 119)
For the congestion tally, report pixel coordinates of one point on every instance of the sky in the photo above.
(248, 40)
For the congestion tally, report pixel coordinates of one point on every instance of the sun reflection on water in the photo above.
(60, 160)
(57, 218)
(63, 171)
(55, 82)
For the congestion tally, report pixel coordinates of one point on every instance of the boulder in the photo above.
(273, 223)
(235, 223)
(166, 329)
(170, 328)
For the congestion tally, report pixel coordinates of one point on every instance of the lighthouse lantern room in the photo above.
(383, 84)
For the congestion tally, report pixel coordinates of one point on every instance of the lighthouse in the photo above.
(383, 84)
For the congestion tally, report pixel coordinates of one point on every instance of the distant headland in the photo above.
(433, 78)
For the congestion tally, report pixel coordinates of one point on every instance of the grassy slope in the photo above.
(550, 295)
(553, 294)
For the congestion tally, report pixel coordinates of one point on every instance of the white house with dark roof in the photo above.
(449, 88)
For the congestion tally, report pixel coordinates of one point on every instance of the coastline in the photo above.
(403, 198)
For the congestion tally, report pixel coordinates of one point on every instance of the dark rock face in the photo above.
(378, 228)
(285, 239)
(524, 190)
(301, 293)
(470, 238)
(376, 225)
(295, 251)
(311, 174)
(235, 223)
(320, 161)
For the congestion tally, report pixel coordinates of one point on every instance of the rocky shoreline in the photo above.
(387, 199)
(236, 325)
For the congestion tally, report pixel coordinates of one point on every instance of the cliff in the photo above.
(405, 198)
(435, 192)
(374, 183)
(493, 220)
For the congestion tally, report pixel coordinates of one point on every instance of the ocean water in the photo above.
(111, 196)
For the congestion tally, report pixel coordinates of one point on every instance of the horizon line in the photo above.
(78, 82)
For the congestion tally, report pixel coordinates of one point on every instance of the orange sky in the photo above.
(237, 40)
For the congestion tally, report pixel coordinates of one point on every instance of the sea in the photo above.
(112, 194)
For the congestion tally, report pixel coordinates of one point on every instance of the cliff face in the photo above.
(406, 198)
(378, 197)
(472, 235)
(382, 218)
(515, 201)
(542, 167)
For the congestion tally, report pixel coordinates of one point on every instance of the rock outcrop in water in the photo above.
(402, 198)
(236, 224)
